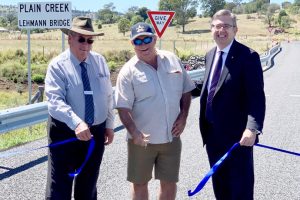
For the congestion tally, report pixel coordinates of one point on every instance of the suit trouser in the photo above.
(65, 159)
(234, 180)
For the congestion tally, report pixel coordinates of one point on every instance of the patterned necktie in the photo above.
(88, 96)
(213, 86)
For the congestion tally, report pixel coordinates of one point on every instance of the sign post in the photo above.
(51, 15)
(160, 20)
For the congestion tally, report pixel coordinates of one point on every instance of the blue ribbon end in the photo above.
(73, 175)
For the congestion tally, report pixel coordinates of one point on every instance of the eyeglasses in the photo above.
(224, 26)
(83, 40)
(145, 40)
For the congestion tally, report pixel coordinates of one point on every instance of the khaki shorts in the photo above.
(164, 157)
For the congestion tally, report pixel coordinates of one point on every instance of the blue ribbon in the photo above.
(216, 166)
(89, 153)
(212, 171)
(5, 155)
(90, 150)
(277, 149)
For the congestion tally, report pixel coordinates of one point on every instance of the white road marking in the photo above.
(295, 95)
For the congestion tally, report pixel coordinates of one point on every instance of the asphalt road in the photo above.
(23, 177)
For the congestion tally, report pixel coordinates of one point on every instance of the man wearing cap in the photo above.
(80, 105)
(153, 98)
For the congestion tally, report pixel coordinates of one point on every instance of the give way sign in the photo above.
(160, 20)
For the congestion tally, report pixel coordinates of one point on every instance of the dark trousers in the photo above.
(234, 180)
(66, 158)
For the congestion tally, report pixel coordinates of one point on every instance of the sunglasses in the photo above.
(145, 40)
(83, 40)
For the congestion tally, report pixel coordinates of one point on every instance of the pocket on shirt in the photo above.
(143, 87)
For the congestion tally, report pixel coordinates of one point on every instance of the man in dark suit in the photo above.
(232, 109)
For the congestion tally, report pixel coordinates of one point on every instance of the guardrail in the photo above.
(28, 115)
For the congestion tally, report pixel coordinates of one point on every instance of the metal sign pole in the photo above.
(62, 42)
(29, 67)
(159, 43)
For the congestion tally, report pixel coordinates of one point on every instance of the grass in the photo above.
(22, 136)
(12, 99)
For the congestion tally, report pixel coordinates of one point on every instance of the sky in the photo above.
(95, 5)
(121, 5)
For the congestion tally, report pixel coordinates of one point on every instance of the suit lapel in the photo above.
(208, 64)
(228, 63)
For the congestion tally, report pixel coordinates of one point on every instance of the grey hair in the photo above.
(225, 12)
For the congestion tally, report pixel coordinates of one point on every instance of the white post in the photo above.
(29, 68)
(62, 42)
(159, 43)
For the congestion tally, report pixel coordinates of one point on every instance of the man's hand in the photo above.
(140, 139)
(82, 132)
(109, 136)
(248, 138)
(178, 126)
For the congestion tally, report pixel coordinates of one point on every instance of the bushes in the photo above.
(13, 71)
(38, 78)
(13, 64)
(118, 56)
(112, 65)
(184, 54)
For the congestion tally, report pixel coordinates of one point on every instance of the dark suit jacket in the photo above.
(239, 100)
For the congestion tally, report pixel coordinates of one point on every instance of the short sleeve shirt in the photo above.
(152, 95)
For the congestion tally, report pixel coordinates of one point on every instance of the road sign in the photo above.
(44, 15)
(160, 20)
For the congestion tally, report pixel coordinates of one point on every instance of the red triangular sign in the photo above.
(160, 20)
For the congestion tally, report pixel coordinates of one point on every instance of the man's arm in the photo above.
(255, 98)
(55, 91)
(138, 137)
(180, 122)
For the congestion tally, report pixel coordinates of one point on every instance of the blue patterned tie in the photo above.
(88, 97)
(213, 86)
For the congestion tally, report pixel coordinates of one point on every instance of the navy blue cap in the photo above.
(139, 29)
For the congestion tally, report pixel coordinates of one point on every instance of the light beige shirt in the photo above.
(152, 95)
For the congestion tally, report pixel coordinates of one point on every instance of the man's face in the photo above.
(144, 46)
(80, 45)
(223, 31)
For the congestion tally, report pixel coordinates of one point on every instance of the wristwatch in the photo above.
(257, 132)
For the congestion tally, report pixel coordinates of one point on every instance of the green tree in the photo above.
(185, 9)
(131, 12)
(142, 12)
(281, 14)
(251, 8)
(124, 25)
(230, 6)
(3, 22)
(210, 7)
(107, 15)
(11, 18)
(285, 22)
(135, 19)
(270, 10)
(296, 3)
(286, 4)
